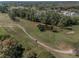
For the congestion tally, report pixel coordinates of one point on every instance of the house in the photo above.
(69, 13)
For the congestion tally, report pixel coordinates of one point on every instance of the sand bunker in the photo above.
(70, 32)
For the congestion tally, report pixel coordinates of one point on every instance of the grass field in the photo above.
(55, 40)
(28, 44)
(20, 36)
(59, 40)
(49, 37)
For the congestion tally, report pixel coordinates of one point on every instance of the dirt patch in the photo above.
(70, 32)
(64, 46)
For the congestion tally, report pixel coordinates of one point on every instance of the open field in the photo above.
(49, 38)
(27, 43)
(20, 36)
(41, 52)
(64, 39)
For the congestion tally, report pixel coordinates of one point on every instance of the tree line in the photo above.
(47, 18)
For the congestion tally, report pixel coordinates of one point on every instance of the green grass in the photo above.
(28, 43)
(47, 37)
(2, 31)
(50, 38)
(20, 36)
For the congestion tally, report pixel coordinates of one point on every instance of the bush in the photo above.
(55, 29)
(41, 27)
(10, 48)
(3, 8)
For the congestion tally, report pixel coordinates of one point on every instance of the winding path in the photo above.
(45, 46)
(38, 42)
(11, 24)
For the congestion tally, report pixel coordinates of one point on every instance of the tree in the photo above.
(10, 48)
(41, 27)
(3, 8)
(47, 17)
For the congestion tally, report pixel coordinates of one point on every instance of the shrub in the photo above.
(41, 27)
(10, 48)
